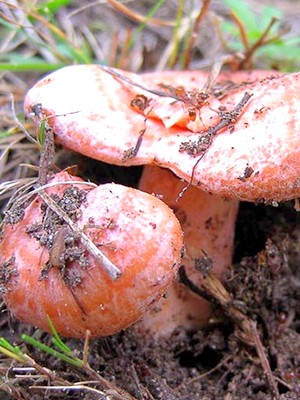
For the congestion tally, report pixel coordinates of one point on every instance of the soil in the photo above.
(216, 362)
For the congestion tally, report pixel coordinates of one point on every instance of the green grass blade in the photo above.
(150, 14)
(70, 360)
(243, 10)
(29, 66)
(143, 24)
(53, 6)
(56, 340)
(10, 350)
(5, 343)
(12, 354)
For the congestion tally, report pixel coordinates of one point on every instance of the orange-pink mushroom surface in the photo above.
(135, 230)
(208, 223)
(255, 157)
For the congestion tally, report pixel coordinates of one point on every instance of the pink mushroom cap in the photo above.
(255, 158)
(136, 231)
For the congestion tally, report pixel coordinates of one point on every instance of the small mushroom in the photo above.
(236, 139)
(46, 271)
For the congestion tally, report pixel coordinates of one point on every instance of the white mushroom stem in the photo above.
(208, 223)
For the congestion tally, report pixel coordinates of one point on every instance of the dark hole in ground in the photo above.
(206, 360)
(255, 223)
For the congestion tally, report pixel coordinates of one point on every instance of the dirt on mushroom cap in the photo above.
(255, 157)
(135, 230)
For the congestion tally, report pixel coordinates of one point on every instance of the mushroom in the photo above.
(90, 112)
(233, 139)
(47, 272)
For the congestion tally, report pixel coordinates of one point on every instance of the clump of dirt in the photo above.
(54, 234)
